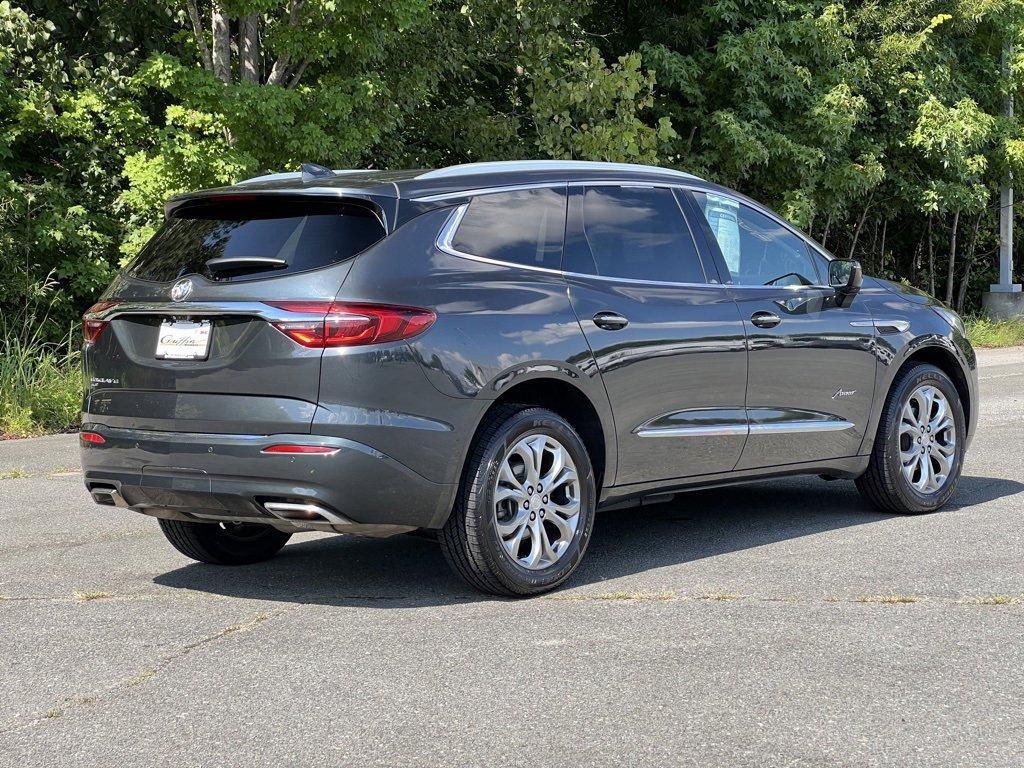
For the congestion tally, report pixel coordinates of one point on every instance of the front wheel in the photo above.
(525, 510)
(918, 452)
(224, 543)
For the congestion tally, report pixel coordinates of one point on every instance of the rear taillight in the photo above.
(91, 326)
(347, 324)
(93, 438)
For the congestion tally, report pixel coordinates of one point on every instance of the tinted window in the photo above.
(523, 227)
(637, 233)
(305, 234)
(757, 249)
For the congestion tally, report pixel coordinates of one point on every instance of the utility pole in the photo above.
(1004, 299)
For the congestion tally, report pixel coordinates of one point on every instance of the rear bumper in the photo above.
(178, 475)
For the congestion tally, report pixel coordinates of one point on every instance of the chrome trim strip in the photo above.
(754, 428)
(719, 430)
(785, 427)
(203, 309)
(900, 326)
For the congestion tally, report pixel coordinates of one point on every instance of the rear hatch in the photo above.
(205, 330)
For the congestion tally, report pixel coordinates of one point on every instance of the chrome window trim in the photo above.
(487, 191)
(447, 234)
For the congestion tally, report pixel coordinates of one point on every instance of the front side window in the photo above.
(757, 249)
(636, 233)
(522, 227)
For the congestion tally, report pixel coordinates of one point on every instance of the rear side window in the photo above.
(636, 233)
(276, 236)
(523, 227)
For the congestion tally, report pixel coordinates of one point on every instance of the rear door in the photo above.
(667, 337)
(812, 363)
(194, 339)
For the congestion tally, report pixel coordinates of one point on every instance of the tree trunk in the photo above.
(828, 225)
(969, 262)
(931, 258)
(249, 31)
(221, 46)
(197, 30)
(280, 71)
(860, 225)
(952, 257)
(885, 226)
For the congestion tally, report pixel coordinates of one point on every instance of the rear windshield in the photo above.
(276, 236)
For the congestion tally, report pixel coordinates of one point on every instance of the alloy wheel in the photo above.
(537, 501)
(927, 435)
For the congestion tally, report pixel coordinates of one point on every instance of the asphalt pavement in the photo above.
(783, 623)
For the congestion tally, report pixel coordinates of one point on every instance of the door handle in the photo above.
(765, 319)
(610, 321)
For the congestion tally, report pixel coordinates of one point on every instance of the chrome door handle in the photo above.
(610, 321)
(765, 319)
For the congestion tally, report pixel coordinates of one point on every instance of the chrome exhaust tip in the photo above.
(107, 496)
(306, 512)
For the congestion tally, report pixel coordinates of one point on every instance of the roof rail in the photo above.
(297, 175)
(510, 166)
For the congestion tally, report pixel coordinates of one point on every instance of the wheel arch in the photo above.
(946, 361)
(572, 404)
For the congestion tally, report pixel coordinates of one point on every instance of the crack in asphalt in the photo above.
(148, 673)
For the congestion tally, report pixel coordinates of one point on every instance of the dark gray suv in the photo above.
(492, 352)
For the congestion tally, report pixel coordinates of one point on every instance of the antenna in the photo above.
(312, 172)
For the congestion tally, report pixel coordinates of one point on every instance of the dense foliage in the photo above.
(877, 125)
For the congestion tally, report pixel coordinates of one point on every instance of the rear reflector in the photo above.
(352, 324)
(92, 437)
(93, 327)
(285, 448)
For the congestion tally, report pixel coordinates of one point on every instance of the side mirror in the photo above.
(846, 276)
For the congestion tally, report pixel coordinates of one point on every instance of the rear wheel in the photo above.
(525, 510)
(918, 453)
(224, 543)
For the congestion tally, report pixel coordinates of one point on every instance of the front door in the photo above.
(666, 335)
(811, 363)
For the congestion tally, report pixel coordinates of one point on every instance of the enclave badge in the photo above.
(181, 290)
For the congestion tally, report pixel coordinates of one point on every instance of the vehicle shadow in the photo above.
(405, 571)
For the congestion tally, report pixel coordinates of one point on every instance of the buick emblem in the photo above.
(181, 290)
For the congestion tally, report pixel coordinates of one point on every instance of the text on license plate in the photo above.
(183, 340)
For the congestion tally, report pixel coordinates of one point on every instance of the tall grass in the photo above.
(40, 377)
(40, 382)
(995, 333)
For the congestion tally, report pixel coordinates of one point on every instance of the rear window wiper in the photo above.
(234, 263)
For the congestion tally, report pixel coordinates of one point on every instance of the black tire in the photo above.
(883, 484)
(224, 544)
(470, 539)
